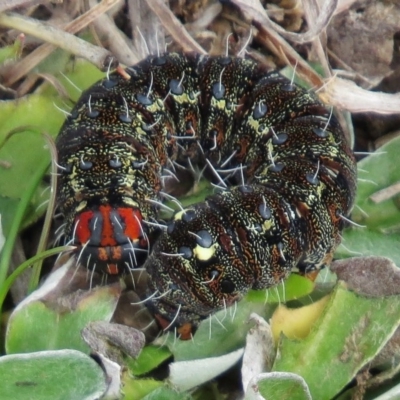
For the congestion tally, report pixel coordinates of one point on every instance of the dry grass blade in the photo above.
(323, 18)
(10, 4)
(277, 45)
(55, 36)
(347, 95)
(209, 15)
(386, 194)
(147, 32)
(98, 56)
(344, 5)
(311, 12)
(174, 27)
(117, 42)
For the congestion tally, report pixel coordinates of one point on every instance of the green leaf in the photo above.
(24, 151)
(376, 172)
(278, 385)
(293, 288)
(222, 333)
(382, 233)
(34, 327)
(77, 77)
(165, 393)
(10, 53)
(137, 389)
(350, 333)
(149, 358)
(370, 243)
(66, 374)
(8, 207)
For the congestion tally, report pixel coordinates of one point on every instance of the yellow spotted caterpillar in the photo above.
(286, 174)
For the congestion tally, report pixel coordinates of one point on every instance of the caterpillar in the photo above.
(287, 180)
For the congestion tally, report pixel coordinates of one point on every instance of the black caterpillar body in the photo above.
(290, 178)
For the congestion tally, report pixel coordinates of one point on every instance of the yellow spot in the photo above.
(320, 189)
(220, 104)
(267, 225)
(81, 206)
(255, 124)
(184, 99)
(203, 253)
(129, 202)
(158, 105)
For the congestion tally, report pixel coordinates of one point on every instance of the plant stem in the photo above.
(5, 287)
(18, 218)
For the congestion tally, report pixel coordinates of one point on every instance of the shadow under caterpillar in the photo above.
(287, 178)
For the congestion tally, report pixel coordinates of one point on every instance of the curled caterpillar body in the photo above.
(295, 178)
(288, 175)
